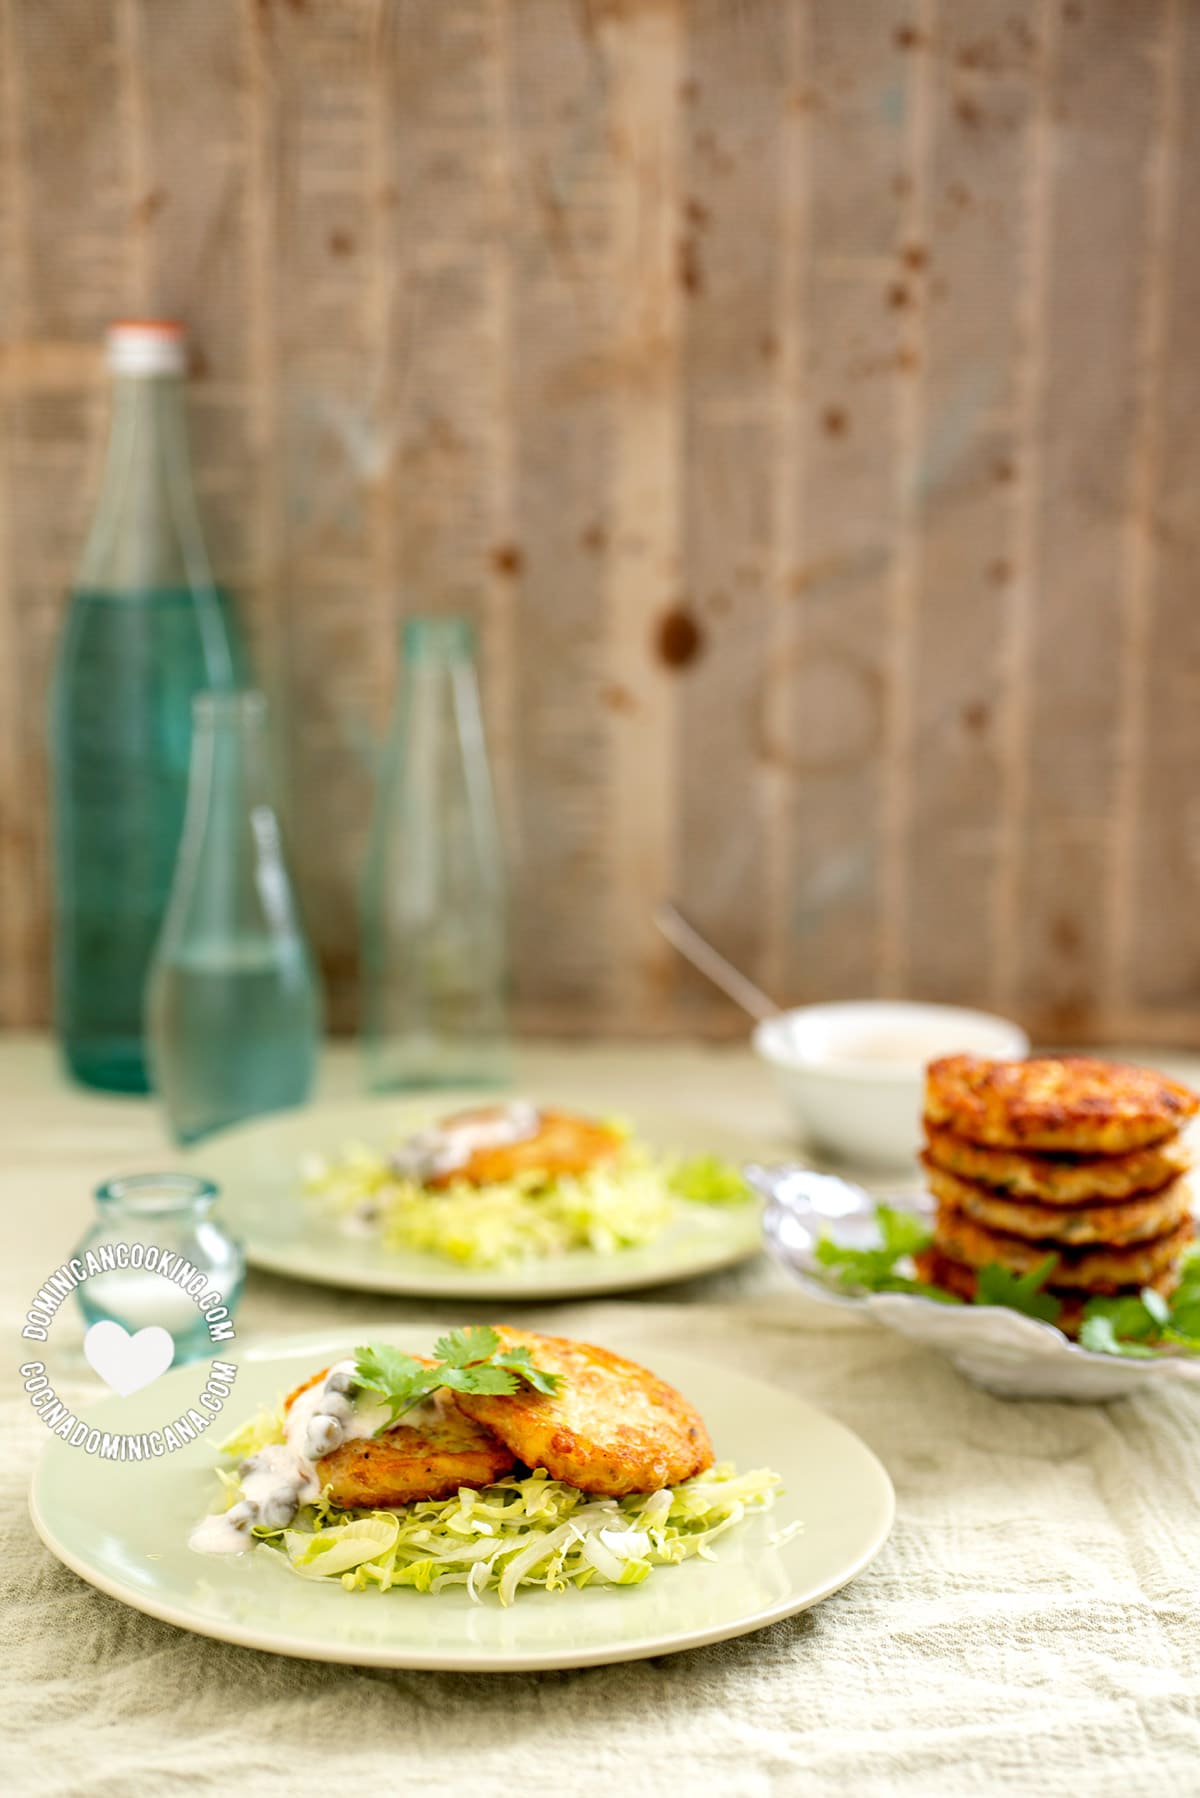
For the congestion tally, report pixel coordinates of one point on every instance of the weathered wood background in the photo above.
(802, 395)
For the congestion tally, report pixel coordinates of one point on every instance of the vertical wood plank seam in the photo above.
(642, 559)
(500, 596)
(1137, 598)
(909, 404)
(131, 50)
(21, 1003)
(262, 373)
(382, 545)
(1017, 651)
(779, 786)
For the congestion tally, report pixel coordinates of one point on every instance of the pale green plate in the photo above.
(257, 1167)
(124, 1528)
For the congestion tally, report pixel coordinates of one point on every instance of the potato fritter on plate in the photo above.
(430, 1458)
(1096, 1270)
(611, 1428)
(1138, 1219)
(560, 1143)
(1070, 1103)
(1057, 1179)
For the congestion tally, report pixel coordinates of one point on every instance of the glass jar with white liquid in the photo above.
(163, 1257)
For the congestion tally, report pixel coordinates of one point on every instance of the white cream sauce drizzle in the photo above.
(280, 1478)
(433, 1153)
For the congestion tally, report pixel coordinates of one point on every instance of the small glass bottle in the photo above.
(233, 1004)
(146, 628)
(167, 1214)
(435, 954)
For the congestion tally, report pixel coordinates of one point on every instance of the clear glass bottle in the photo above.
(435, 953)
(168, 1213)
(233, 1004)
(146, 628)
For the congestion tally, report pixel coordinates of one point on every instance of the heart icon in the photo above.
(125, 1362)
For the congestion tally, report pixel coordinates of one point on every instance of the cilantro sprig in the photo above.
(1137, 1325)
(902, 1235)
(1147, 1324)
(996, 1285)
(468, 1360)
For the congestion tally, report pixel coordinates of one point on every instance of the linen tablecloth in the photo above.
(1032, 1626)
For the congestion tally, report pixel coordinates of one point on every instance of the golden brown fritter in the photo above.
(1057, 1179)
(564, 1144)
(956, 1277)
(1093, 1270)
(431, 1460)
(611, 1428)
(1070, 1103)
(1139, 1219)
(405, 1464)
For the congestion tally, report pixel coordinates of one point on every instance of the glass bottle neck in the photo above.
(438, 777)
(231, 882)
(146, 532)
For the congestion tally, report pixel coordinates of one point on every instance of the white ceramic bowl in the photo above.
(853, 1074)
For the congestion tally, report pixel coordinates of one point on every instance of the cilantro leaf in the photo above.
(399, 1379)
(458, 1348)
(467, 1360)
(484, 1378)
(855, 1267)
(904, 1233)
(1185, 1319)
(995, 1285)
(1131, 1319)
(378, 1368)
(521, 1362)
(1099, 1334)
(1140, 1326)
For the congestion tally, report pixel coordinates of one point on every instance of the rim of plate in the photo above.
(410, 1274)
(495, 1286)
(316, 1648)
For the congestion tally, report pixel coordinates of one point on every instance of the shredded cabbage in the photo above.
(259, 1431)
(619, 1204)
(521, 1534)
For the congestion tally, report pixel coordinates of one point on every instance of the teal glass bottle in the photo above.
(146, 628)
(435, 954)
(233, 1006)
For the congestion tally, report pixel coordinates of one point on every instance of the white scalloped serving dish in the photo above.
(1000, 1350)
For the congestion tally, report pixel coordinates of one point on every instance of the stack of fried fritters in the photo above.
(1057, 1155)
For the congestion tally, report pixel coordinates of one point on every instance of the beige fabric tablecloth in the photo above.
(1032, 1627)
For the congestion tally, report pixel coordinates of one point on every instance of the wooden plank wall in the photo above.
(801, 397)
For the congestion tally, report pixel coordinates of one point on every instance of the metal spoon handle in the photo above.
(692, 946)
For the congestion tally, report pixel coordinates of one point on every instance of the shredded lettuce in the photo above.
(259, 1431)
(707, 1180)
(522, 1534)
(623, 1203)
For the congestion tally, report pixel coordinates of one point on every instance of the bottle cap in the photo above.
(147, 346)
